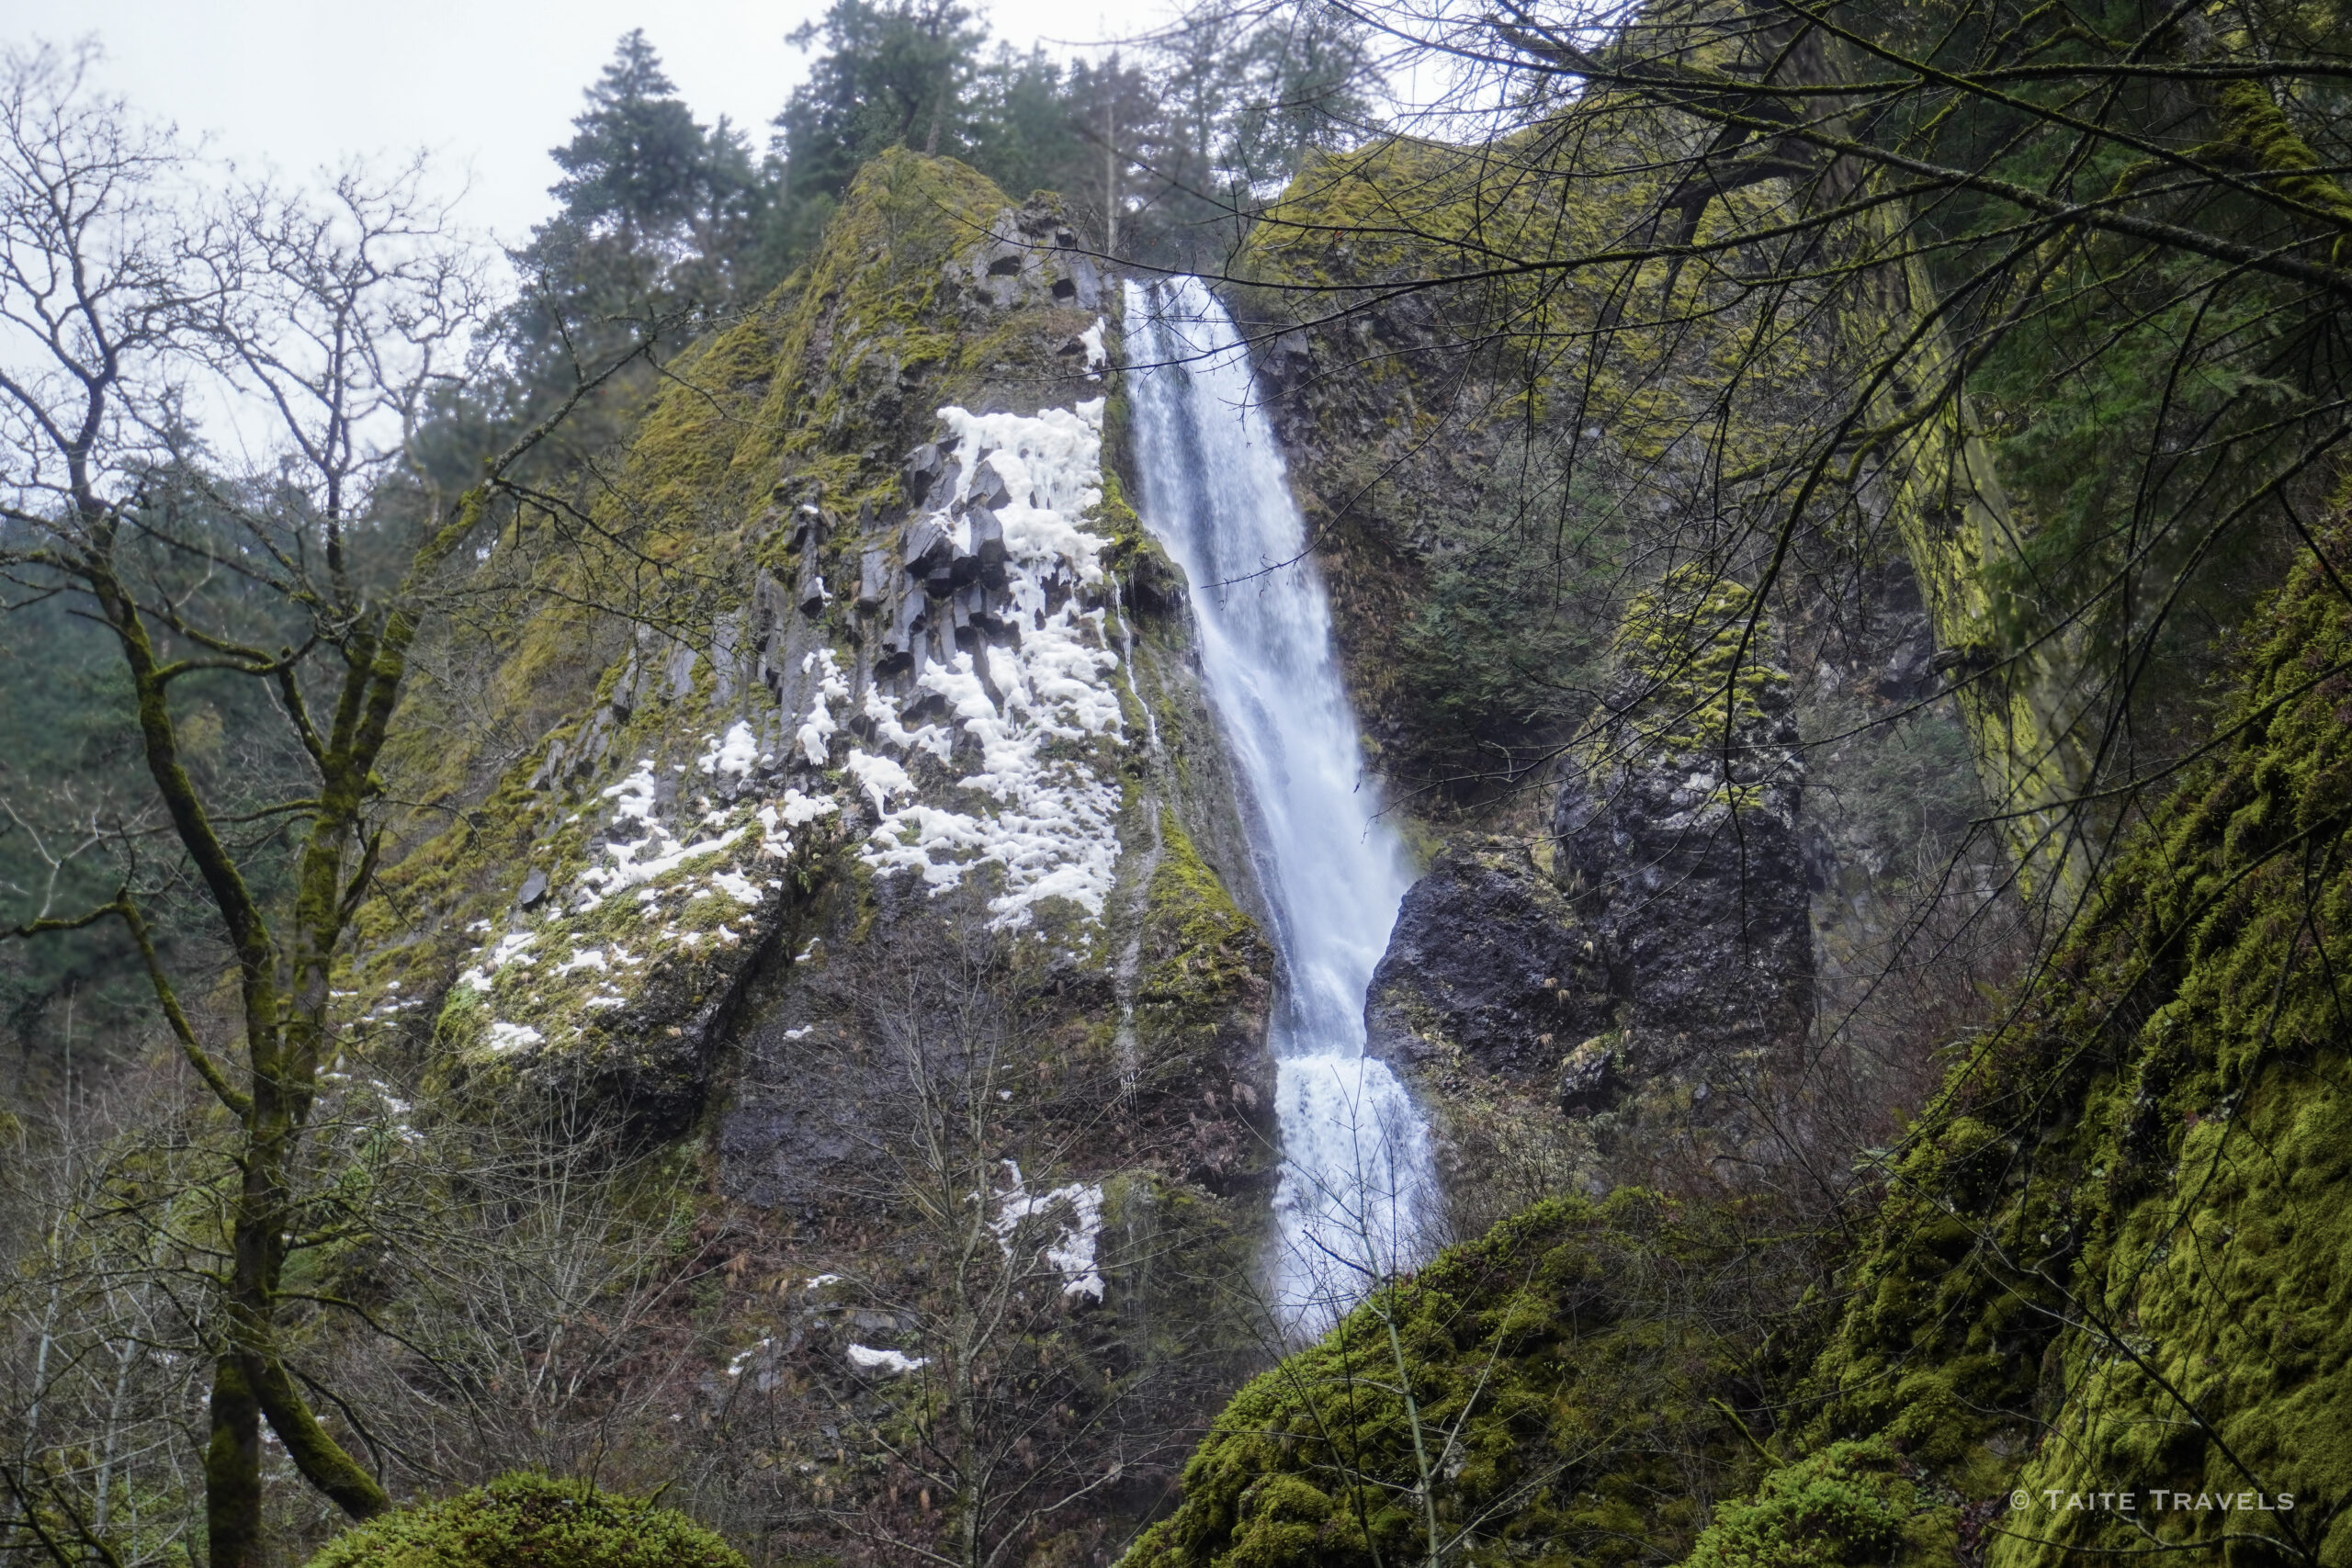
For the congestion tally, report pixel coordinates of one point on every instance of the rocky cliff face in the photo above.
(1520, 550)
(1648, 971)
(2101, 1264)
(884, 859)
(1490, 968)
(1681, 836)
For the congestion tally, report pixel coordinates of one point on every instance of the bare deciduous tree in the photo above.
(126, 297)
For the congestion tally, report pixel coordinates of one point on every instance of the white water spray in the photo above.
(1357, 1180)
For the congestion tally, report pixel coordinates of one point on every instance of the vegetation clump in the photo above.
(1852, 1503)
(1207, 955)
(1693, 647)
(530, 1520)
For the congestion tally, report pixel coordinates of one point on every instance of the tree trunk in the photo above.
(232, 1471)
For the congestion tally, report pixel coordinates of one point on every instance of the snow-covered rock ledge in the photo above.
(1020, 703)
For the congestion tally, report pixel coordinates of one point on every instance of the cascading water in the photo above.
(1357, 1178)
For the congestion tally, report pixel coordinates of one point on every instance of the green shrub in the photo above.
(1850, 1504)
(530, 1520)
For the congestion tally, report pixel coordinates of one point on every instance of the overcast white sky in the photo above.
(489, 84)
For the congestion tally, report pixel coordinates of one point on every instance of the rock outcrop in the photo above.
(1489, 967)
(1680, 837)
(892, 791)
(1667, 951)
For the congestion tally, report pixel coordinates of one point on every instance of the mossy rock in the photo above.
(2111, 1252)
(1566, 1378)
(530, 1520)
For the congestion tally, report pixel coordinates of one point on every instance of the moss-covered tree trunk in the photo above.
(284, 996)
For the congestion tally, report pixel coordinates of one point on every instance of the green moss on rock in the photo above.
(1206, 957)
(2110, 1255)
(1550, 1394)
(1852, 1504)
(530, 1520)
(1696, 642)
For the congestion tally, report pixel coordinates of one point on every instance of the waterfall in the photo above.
(1357, 1178)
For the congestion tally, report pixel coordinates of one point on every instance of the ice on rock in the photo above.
(880, 778)
(800, 809)
(1053, 830)
(737, 753)
(832, 686)
(931, 738)
(1098, 358)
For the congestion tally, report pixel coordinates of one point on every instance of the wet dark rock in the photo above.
(987, 546)
(925, 467)
(1669, 947)
(988, 488)
(1693, 865)
(1589, 1080)
(1488, 963)
(928, 547)
(873, 579)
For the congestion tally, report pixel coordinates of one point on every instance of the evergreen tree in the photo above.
(1114, 112)
(636, 160)
(894, 73)
(1307, 78)
(658, 219)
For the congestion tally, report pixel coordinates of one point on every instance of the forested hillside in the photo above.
(1365, 784)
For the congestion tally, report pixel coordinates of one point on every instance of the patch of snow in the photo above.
(800, 809)
(744, 1358)
(633, 794)
(893, 1361)
(801, 1033)
(510, 949)
(737, 886)
(586, 958)
(513, 1036)
(737, 753)
(1072, 1252)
